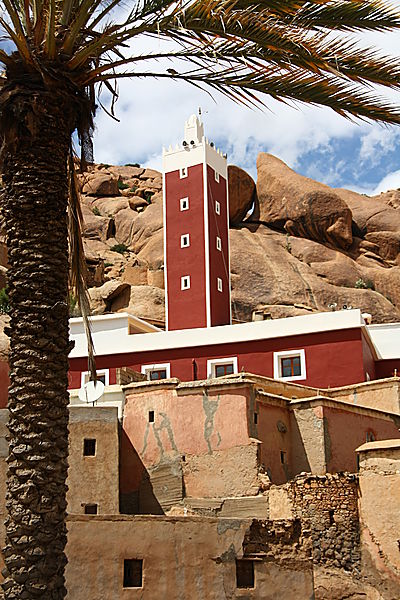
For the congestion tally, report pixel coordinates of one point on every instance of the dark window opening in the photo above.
(290, 366)
(89, 447)
(90, 509)
(133, 573)
(283, 457)
(157, 374)
(221, 370)
(244, 574)
(102, 378)
(151, 416)
(370, 437)
(255, 418)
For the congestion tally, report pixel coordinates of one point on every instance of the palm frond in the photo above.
(78, 263)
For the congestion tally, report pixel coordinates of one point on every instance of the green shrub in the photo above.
(132, 165)
(122, 185)
(134, 188)
(108, 264)
(120, 248)
(364, 285)
(148, 196)
(4, 302)
(96, 211)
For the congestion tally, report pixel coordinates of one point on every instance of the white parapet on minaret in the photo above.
(193, 150)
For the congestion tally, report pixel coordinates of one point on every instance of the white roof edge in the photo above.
(115, 316)
(226, 334)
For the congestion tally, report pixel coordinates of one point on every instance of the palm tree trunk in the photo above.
(35, 212)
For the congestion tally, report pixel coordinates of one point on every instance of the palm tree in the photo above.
(58, 52)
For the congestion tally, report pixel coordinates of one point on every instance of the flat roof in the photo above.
(379, 445)
(386, 338)
(110, 344)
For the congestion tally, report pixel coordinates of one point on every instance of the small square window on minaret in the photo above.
(216, 175)
(217, 207)
(185, 240)
(219, 284)
(219, 244)
(185, 282)
(184, 202)
(183, 172)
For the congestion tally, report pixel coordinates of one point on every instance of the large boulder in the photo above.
(102, 298)
(241, 189)
(100, 184)
(300, 206)
(96, 227)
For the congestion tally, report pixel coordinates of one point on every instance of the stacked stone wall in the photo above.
(327, 507)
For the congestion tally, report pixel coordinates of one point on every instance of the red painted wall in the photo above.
(333, 358)
(186, 308)
(368, 359)
(345, 431)
(385, 368)
(219, 260)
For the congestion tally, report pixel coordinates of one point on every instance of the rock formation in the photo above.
(305, 247)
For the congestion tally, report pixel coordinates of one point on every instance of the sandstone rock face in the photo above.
(300, 206)
(101, 184)
(323, 248)
(241, 188)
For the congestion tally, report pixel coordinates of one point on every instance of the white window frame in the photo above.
(184, 204)
(290, 354)
(212, 363)
(219, 284)
(217, 207)
(86, 374)
(183, 282)
(147, 369)
(216, 176)
(183, 172)
(185, 240)
(219, 243)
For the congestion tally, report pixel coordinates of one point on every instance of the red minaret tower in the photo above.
(196, 232)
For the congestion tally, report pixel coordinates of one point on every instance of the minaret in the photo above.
(196, 232)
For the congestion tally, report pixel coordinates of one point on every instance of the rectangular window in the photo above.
(244, 574)
(90, 509)
(183, 172)
(217, 207)
(151, 416)
(89, 447)
(221, 370)
(219, 367)
(133, 573)
(216, 175)
(219, 284)
(219, 243)
(156, 372)
(103, 375)
(184, 203)
(283, 457)
(185, 240)
(290, 365)
(185, 282)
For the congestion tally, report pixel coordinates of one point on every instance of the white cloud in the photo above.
(152, 114)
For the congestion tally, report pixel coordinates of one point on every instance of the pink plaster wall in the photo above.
(273, 441)
(346, 430)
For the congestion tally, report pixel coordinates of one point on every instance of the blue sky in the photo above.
(314, 141)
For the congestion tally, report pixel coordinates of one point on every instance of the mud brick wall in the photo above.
(327, 507)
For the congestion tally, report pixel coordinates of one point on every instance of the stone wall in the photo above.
(327, 506)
